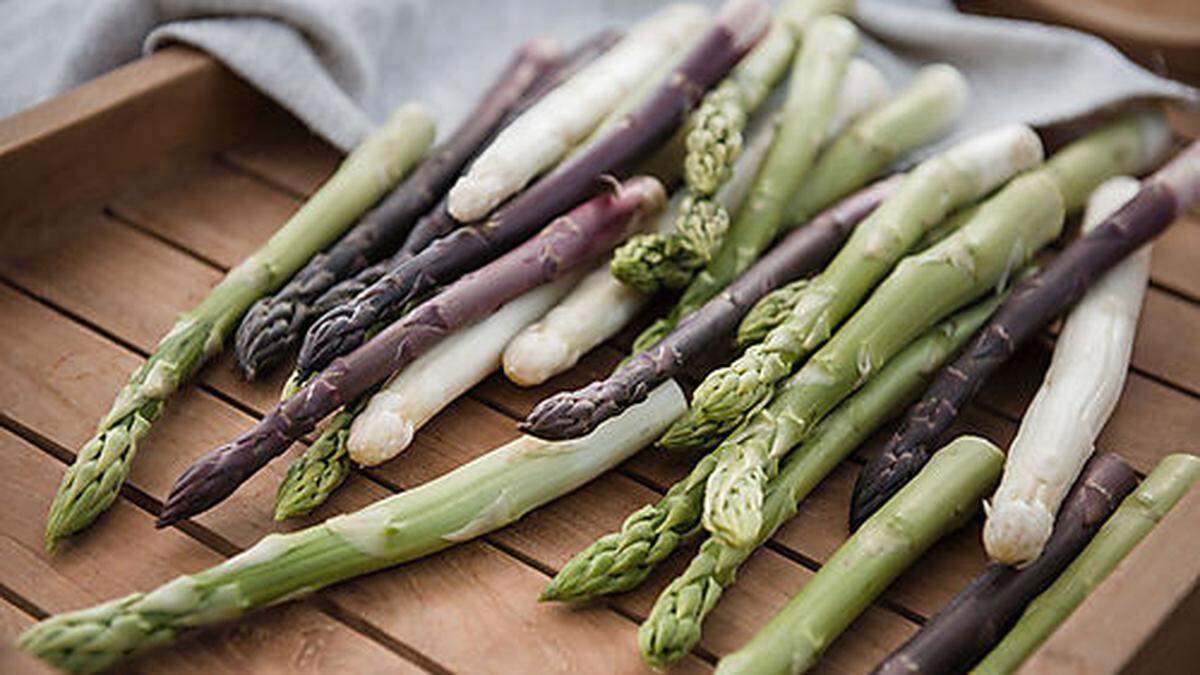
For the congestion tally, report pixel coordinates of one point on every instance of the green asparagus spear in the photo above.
(1006, 232)
(1138, 514)
(314, 476)
(673, 627)
(939, 500)
(474, 499)
(816, 78)
(940, 184)
(92, 482)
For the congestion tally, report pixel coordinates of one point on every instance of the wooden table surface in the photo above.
(81, 315)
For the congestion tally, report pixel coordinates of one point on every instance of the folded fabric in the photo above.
(341, 66)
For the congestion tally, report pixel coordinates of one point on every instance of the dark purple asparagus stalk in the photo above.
(1164, 196)
(576, 413)
(277, 322)
(980, 615)
(438, 222)
(587, 232)
(740, 24)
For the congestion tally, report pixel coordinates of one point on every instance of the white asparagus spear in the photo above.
(540, 137)
(600, 305)
(386, 426)
(1078, 394)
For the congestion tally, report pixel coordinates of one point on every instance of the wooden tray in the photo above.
(124, 201)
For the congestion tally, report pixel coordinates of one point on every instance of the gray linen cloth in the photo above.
(342, 65)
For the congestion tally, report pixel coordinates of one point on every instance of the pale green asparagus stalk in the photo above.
(922, 112)
(775, 307)
(1173, 478)
(1006, 232)
(314, 475)
(103, 463)
(940, 184)
(938, 501)
(474, 499)
(673, 627)
(815, 80)
(714, 137)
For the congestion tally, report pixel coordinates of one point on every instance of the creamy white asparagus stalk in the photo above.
(391, 418)
(540, 137)
(600, 305)
(476, 498)
(1078, 394)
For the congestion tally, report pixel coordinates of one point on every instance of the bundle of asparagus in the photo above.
(587, 231)
(955, 177)
(940, 499)
(381, 424)
(474, 499)
(92, 482)
(1173, 478)
(575, 413)
(975, 620)
(1168, 193)
(737, 28)
(816, 78)
(1083, 384)
(673, 627)
(275, 323)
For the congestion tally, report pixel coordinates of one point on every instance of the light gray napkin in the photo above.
(341, 65)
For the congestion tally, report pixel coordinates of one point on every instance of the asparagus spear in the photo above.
(939, 500)
(575, 413)
(715, 137)
(1165, 195)
(673, 627)
(738, 26)
(91, 484)
(1006, 232)
(645, 261)
(975, 620)
(276, 322)
(546, 132)
(1083, 385)
(474, 499)
(669, 260)
(414, 395)
(438, 222)
(587, 231)
(380, 424)
(940, 184)
(620, 561)
(925, 110)
(1174, 476)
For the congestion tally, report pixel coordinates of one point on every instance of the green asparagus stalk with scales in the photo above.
(938, 501)
(729, 394)
(673, 627)
(620, 561)
(476, 498)
(92, 482)
(1003, 235)
(925, 110)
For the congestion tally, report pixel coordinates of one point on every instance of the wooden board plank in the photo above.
(99, 567)
(14, 621)
(483, 594)
(1114, 629)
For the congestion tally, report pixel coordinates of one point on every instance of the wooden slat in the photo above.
(1148, 595)
(89, 140)
(90, 570)
(296, 161)
(485, 595)
(13, 622)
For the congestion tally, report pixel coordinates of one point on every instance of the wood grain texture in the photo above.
(1115, 628)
